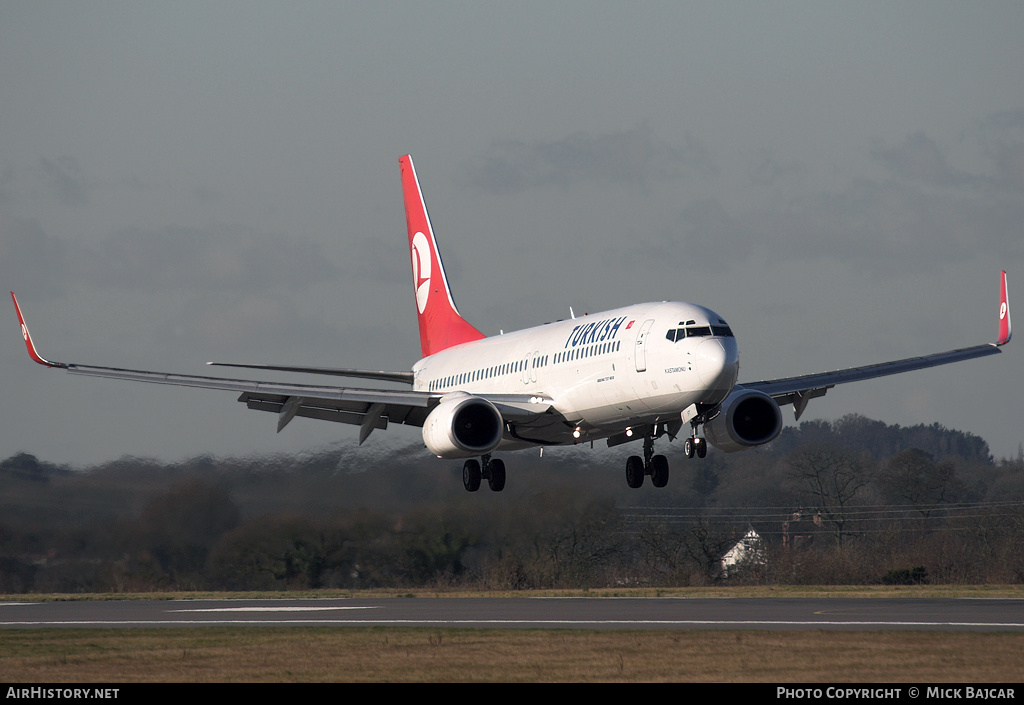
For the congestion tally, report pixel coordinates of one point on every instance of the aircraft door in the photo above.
(640, 351)
(529, 371)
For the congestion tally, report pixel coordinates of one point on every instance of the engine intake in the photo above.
(463, 426)
(746, 418)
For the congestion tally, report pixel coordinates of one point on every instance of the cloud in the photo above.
(168, 258)
(879, 224)
(64, 178)
(1005, 120)
(1010, 169)
(1001, 135)
(636, 157)
(924, 212)
(768, 169)
(29, 256)
(919, 159)
(920, 213)
(216, 258)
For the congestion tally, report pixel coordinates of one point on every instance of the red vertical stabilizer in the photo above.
(441, 326)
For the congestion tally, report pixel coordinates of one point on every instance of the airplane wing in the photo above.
(799, 390)
(367, 408)
(384, 375)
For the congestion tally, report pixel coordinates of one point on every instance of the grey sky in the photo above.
(189, 181)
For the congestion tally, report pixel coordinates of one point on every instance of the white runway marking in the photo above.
(274, 609)
(518, 622)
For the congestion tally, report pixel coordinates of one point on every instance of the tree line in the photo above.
(853, 501)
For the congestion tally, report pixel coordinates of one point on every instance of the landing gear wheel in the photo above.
(688, 447)
(471, 475)
(659, 471)
(702, 447)
(496, 481)
(634, 471)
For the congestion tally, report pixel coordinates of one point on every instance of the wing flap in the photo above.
(348, 411)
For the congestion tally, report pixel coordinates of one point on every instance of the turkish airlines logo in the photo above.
(1002, 311)
(421, 269)
(24, 332)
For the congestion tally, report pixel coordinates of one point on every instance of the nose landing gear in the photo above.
(695, 445)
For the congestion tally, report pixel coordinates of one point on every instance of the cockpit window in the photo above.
(693, 331)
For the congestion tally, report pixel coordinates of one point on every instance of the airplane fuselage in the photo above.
(641, 365)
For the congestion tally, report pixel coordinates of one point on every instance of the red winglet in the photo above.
(32, 352)
(1004, 314)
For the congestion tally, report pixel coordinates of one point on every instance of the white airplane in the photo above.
(634, 373)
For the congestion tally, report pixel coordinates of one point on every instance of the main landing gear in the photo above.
(491, 469)
(654, 465)
(657, 465)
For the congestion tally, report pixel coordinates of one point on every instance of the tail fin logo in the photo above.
(421, 269)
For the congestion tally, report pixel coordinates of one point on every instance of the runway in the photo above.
(942, 614)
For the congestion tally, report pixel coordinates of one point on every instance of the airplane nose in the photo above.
(717, 364)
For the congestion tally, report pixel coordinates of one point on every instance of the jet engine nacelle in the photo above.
(463, 426)
(745, 419)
